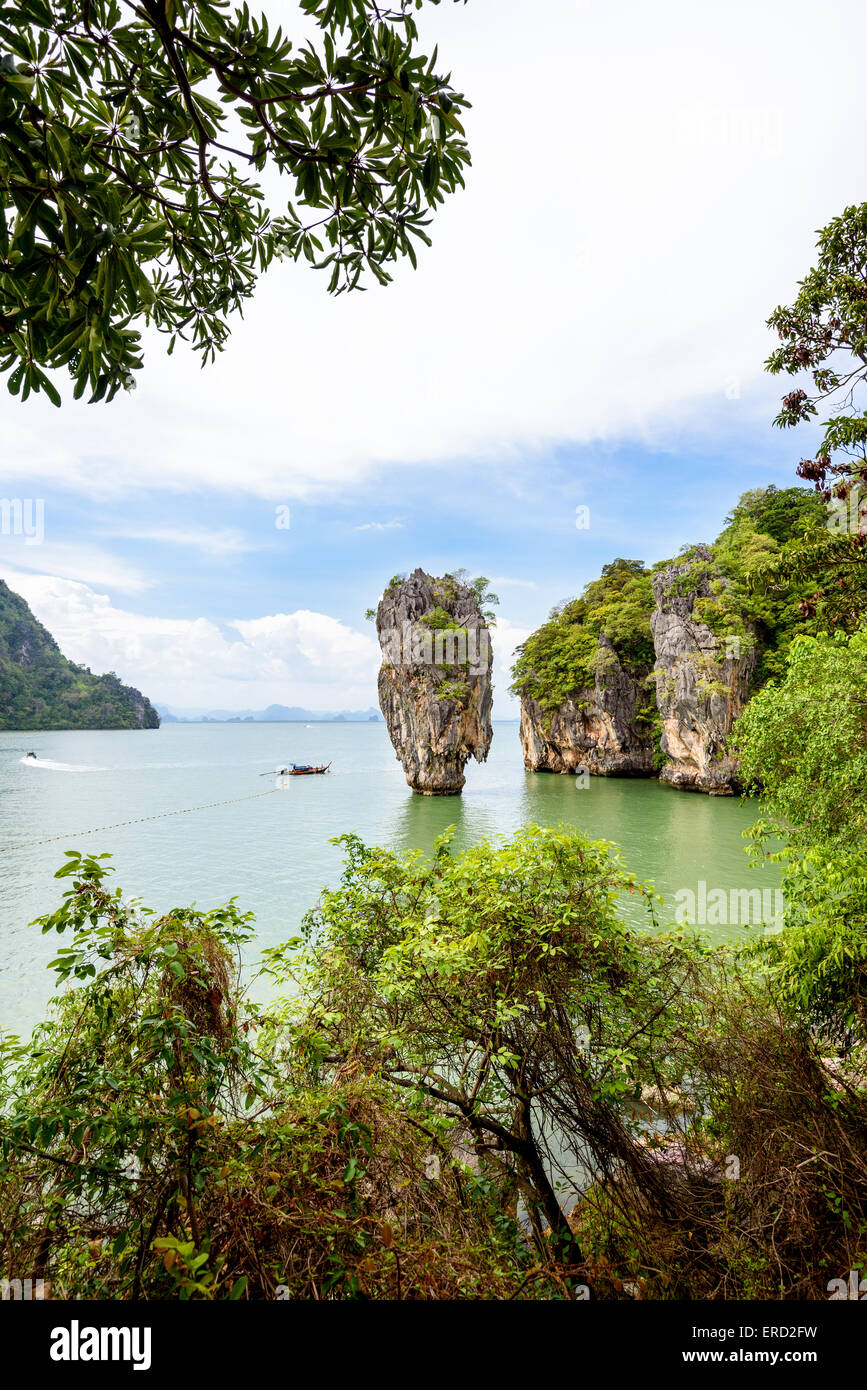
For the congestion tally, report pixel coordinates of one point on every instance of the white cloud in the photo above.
(330, 653)
(380, 526)
(301, 658)
(219, 541)
(636, 208)
(67, 560)
(506, 637)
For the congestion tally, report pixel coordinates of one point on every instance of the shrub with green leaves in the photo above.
(159, 1139)
(803, 744)
(463, 1057)
(501, 988)
(110, 1116)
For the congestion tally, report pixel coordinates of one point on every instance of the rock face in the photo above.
(435, 680)
(597, 729)
(702, 680)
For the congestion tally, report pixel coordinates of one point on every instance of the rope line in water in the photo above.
(162, 815)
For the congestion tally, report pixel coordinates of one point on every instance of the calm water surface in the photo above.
(273, 853)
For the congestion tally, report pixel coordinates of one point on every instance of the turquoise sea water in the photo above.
(273, 852)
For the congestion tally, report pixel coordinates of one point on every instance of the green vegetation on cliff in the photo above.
(445, 591)
(750, 599)
(559, 659)
(41, 689)
(759, 532)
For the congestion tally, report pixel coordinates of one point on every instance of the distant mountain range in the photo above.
(41, 689)
(274, 714)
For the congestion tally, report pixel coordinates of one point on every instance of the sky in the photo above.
(587, 331)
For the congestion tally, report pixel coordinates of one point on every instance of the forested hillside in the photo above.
(41, 689)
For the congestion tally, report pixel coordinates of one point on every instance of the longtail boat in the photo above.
(296, 770)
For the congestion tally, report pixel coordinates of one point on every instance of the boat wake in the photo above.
(48, 765)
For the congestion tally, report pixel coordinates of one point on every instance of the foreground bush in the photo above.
(153, 1144)
(466, 1043)
(767, 1172)
(803, 741)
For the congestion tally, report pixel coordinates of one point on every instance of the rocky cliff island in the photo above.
(600, 729)
(703, 678)
(584, 681)
(435, 678)
(647, 672)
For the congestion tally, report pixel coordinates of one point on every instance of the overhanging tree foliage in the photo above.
(824, 333)
(133, 132)
(823, 336)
